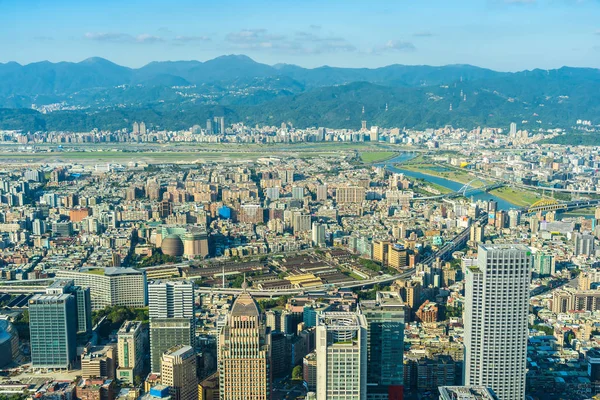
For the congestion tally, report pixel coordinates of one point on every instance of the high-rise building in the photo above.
(496, 312)
(309, 371)
(385, 344)
(178, 371)
(244, 354)
(170, 299)
(171, 311)
(322, 192)
(83, 305)
(318, 234)
(397, 256)
(110, 286)
(298, 192)
(341, 347)
(381, 249)
(476, 233)
(583, 244)
(166, 333)
(513, 129)
(353, 194)
(544, 264)
(130, 345)
(301, 222)
(53, 330)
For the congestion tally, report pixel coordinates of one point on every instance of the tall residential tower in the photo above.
(496, 311)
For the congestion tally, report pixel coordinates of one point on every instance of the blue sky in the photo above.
(505, 35)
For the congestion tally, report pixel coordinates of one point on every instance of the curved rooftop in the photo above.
(244, 304)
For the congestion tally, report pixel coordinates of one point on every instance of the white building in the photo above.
(111, 286)
(341, 349)
(171, 299)
(496, 311)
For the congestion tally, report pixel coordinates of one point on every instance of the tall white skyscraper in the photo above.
(496, 311)
(172, 322)
(341, 349)
(171, 299)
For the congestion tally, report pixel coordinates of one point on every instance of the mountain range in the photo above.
(178, 94)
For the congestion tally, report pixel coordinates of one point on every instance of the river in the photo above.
(455, 186)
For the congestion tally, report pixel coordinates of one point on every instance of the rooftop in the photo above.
(467, 393)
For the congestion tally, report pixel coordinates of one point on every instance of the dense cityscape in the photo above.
(381, 264)
(300, 200)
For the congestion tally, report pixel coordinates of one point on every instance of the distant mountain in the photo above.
(66, 78)
(178, 94)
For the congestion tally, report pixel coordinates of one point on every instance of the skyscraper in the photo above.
(171, 299)
(53, 330)
(166, 333)
(55, 319)
(178, 371)
(341, 348)
(318, 234)
(130, 345)
(385, 344)
(244, 354)
(496, 311)
(171, 310)
(583, 244)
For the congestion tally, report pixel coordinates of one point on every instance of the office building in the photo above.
(166, 333)
(341, 347)
(99, 361)
(170, 299)
(397, 256)
(130, 346)
(318, 234)
(83, 303)
(380, 251)
(53, 330)
(110, 286)
(244, 354)
(178, 372)
(496, 312)
(385, 345)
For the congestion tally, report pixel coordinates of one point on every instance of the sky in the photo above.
(505, 35)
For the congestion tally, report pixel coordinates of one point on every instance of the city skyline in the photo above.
(506, 35)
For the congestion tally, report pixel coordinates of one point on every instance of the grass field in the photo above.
(188, 152)
(123, 157)
(375, 156)
(518, 197)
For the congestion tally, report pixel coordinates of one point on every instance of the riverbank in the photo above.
(515, 196)
(376, 156)
(518, 197)
(457, 176)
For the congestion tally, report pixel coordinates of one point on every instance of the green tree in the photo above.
(297, 373)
